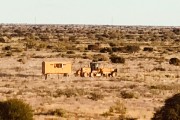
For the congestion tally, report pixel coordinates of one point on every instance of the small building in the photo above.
(56, 68)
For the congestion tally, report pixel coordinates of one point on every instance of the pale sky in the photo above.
(107, 12)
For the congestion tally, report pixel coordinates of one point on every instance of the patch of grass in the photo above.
(22, 60)
(127, 95)
(105, 50)
(8, 54)
(6, 48)
(70, 92)
(159, 69)
(70, 52)
(57, 112)
(165, 87)
(96, 96)
(117, 108)
(100, 57)
(122, 117)
(106, 114)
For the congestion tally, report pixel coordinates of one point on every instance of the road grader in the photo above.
(95, 71)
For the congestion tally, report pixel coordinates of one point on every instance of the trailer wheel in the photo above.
(78, 73)
(65, 75)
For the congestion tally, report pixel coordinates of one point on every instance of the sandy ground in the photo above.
(149, 87)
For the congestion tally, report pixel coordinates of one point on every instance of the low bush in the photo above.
(171, 109)
(7, 48)
(127, 95)
(17, 49)
(8, 54)
(99, 57)
(174, 61)
(126, 49)
(93, 47)
(15, 109)
(112, 44)
(118, 108)
(66, 92)
(117, 59)
(69, 92)
(96, 96)
(31, 44)
(132, 48)
(159, 69)
(148, 49)
(57, 112)
(118, 49)
(70, 52)
(105, 50)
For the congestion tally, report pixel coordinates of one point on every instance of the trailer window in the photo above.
(59, 65)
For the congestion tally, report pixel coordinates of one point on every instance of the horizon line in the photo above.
(89, 24)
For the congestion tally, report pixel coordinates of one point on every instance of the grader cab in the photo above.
(96, 71)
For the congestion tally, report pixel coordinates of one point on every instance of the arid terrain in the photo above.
(143, 82)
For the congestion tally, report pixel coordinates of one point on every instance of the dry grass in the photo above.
(143, 82)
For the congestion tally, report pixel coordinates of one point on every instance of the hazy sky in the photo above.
(117, 12)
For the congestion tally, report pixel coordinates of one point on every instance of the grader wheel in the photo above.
(92, 74)
(114, 74)
(85, 74)
(78, 72)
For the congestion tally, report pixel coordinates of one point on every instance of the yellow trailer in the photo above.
(56, 68)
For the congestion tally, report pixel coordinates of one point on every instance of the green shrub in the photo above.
(171, 109)
(15, 109)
